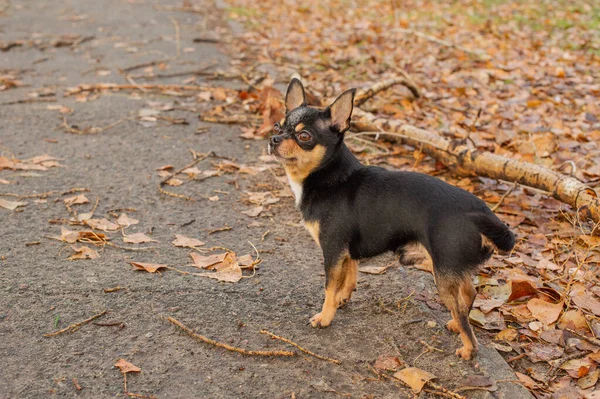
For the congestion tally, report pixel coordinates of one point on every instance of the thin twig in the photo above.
(177, 35)
(510, 190)
(75, 326)
(226, 346)
(593, 341)
(363, 95)
(445, 43)
(144, 65)
(193, 163)
(334, 361)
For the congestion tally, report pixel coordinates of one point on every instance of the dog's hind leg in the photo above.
(458, 294)
(350, 270)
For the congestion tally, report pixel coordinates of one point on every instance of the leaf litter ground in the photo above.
(532, 100)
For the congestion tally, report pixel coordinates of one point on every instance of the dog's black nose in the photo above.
(276, 139)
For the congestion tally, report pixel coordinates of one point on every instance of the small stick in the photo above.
(405, 80)
(76, 383)
(177, 35)
(446, 43)
(114, 86)
(445, 390)
(126, 248)
(226, 346)
(193, 163)
(75, 326)
(593, 341)
(176, 74)
(429, 347)
(196, 10)
(144, 65)
(565, 359)
(510, 190)
(515, 358)
(31, 100)
(220, 229)
(113, 289)
(334, 361)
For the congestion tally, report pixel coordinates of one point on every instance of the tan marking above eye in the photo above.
(282, 122)
(299, 127)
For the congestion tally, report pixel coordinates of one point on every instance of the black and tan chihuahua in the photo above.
(354, 211)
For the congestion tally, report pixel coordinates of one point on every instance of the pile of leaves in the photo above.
(514, 78)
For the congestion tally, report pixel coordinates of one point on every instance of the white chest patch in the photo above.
(296, 189)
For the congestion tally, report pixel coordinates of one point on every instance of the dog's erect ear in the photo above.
(295, 96)
(340, 111)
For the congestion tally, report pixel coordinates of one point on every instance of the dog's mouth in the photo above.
(284, 160)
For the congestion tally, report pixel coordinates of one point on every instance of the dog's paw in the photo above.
(465, 353)
(342, 299)
(320, 320)
(452, 325)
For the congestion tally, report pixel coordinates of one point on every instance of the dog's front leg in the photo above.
(335, 277)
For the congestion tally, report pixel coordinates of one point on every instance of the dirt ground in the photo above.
(42, 291)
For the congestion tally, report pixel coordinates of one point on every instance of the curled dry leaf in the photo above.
(76, 200)
(11, 205)
(137, 238)
(414, 377)
(521, 289)
(83, 252)
(71, 237)
(127, 367)
(186, 242)
(102, 224)
(126, 221)
(543, 311)
(228, 270)
(174, 182)
(373, 269)
(149, 267)
(388, 363)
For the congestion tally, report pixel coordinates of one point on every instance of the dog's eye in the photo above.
(304, 136)
(276, 127)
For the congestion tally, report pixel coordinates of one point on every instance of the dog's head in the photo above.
(307, 137)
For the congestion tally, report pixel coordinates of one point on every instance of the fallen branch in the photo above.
(404, 80)
(243, 351)
(74, 327)
(441, 42)
(334, 361)
(591, 340)
(468, 161)
(178, 171)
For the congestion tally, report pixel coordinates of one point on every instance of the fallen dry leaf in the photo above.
(127, 367)
(126, 221)
(521, 289)
(174, 182)
(414, 377)
(388, 363)
(149, 267)
(137, 238)
(102, 224)
(373, 269)
(186, 242)
(545, 312)
(76, 200)
(254, 212)
(11, 205)
(83, 252)
(206, 262)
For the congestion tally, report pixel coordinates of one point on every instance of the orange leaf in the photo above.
(183, 241)
(149, 267)
(207, 262)
(415, 378)
(520, 289)
(137, 238)
(127, 367)
(545, 312)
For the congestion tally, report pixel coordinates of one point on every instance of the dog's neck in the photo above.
(335, 170)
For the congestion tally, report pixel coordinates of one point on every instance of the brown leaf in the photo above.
(521, 289)
(373, 269)
(507, 335)
(137, 238)
(388, 363)
(230, 274)
(207, 262)
(574, 319)
(126, 221)
(76, 200)
(545, 312)
(589, 380)
(11, 205)
(526, 380)
(102, 224)
(83, 252)
(174, 182)
(588, 302)
(127, 367)
(539, 352)
(415, 378)
(254, 212)
(186, 242)
(149, 267)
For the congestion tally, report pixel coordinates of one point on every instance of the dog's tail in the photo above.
(494, 230)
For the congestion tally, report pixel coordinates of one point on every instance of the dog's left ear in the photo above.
(295, 96)
(340, 111)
